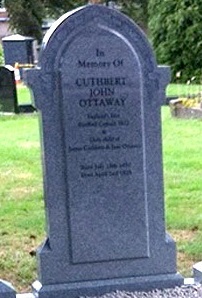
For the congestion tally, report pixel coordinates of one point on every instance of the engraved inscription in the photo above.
(101, 170)
(100, 64)
(104, 93)
(102, 110)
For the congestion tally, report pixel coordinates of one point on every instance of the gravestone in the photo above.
(99, 91)
(18, 48)
(8, 92)
(6, 290)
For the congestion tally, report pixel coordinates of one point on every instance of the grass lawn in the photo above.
(21, 203)
(183, 90)
(23, 94)
(25, 97)
(183, 186)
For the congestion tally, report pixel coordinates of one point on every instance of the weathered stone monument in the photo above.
(99, 91)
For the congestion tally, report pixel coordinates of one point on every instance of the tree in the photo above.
(137, 10)
(175, 28)
(26, 16)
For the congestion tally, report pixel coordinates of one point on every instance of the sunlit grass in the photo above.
(23, 94)
(183, 90)
(21, 204)
(183, 188)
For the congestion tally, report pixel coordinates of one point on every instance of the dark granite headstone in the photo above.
(18, 48)
(100, 91)
(8, 92)
(6, 290)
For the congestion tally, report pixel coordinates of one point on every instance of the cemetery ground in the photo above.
(183, 89)
(24, 95)
(21, 198)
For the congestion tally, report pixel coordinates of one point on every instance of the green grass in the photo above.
(183, 188)
(181, 90)
(21, 203)
(183, 171)
(24, 95)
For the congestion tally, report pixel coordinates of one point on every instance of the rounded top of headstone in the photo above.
(90, 18)
(56, 24)
(17, 37)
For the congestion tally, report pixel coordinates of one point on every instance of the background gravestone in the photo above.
(8, 92)
(100, 91)
(18, 48)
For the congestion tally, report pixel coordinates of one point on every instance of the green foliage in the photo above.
(56, 8)
(137, 10)
(26, 16)
(175, 28)
(1, 56)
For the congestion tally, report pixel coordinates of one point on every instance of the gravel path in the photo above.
(191, 291)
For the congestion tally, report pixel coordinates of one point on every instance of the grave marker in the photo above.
(18, 48)
(100, 91)
(8, 92)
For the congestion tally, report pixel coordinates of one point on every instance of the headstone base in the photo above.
(99, 287)
(197, 272)
(26, 108)
(6, 290)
